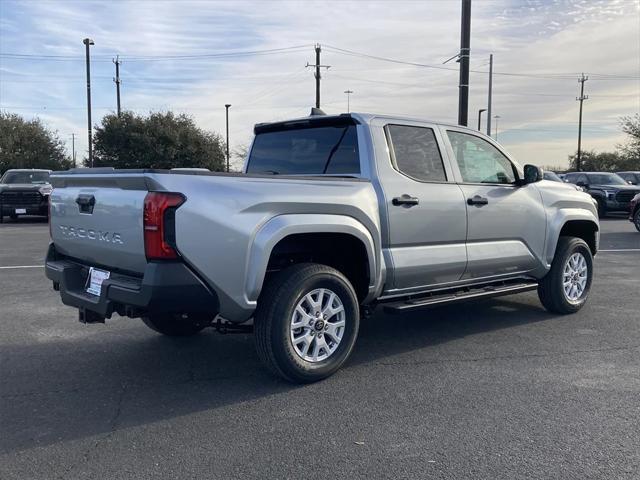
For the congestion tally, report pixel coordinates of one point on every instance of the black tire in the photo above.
(602, 208)
(636, 219)
(177, 325)
(551, 290)
(273, 317)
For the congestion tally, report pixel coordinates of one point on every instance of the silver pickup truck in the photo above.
(332, 217)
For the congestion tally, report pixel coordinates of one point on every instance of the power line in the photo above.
(139, 58)
(546, 75)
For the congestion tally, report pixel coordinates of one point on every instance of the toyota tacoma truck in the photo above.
(24, 192)
(332, 217)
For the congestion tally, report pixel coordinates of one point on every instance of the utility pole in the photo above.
(489, 99)
(480, 118)
(73, 149)
(87, 42)
(581, 99)
(348, 92)
(318, 66)
(117, 80)
(226, 106)
(465, 51)
(496, 118)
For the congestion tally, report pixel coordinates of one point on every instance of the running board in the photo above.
(460, 295)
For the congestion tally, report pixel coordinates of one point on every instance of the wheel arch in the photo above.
(287, 238)
(577, 224)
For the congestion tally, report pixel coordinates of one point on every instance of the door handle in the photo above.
(477, 200)
(405, 200)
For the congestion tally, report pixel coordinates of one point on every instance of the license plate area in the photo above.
(95, 279)
(21, 211)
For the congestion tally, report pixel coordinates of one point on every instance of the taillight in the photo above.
(157, 208)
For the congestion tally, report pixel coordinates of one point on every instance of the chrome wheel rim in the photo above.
(574, 278)
(317, 325)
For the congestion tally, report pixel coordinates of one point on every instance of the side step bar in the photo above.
(460, 295)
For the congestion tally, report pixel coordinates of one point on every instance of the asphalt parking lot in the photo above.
(498, 389)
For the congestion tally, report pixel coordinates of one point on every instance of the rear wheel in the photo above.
(636, 219)
(306, 322)
(176, 324)
(566, 287)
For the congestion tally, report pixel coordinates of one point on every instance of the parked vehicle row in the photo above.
(24, 192)
(612, 193)
(333, 216)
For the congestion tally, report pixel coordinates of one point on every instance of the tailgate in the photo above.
(98, 219)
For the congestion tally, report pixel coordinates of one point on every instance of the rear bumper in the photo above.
(164, 287)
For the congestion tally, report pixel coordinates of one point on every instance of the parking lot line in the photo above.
(21, 266)
(620, 250)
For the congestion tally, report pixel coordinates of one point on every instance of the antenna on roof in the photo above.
(316, 111)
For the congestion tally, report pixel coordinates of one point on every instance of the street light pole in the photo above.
(496, 118)
(73, 149)
(226, 106)
(348, 92)
(480, 118)
(490, 94)
(87, 42)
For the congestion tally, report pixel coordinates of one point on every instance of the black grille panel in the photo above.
(18, 198)
(626, 196)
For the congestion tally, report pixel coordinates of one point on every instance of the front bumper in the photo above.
(36, 209)
(167, 287)
(616, 206)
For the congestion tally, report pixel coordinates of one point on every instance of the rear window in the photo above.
(306, 151)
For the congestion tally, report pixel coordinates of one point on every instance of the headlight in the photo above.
(46, 190)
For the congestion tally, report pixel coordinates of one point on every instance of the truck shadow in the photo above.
(92, 385)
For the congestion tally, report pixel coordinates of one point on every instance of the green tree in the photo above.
(592, 161)
(29, 144)
(159, 140)
(631, 126)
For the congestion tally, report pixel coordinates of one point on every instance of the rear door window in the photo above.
(416, 153)
(314, 150)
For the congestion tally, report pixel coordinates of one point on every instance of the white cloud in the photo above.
(539, 115)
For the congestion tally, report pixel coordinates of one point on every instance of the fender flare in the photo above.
(562, 217)
(281, 226)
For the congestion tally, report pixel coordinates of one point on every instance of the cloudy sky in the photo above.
(196, 56)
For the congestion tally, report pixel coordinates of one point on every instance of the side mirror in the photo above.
(532, 174)
(581, 184)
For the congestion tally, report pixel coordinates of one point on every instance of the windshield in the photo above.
(306, 151)
(551, 176)
(35, 178)
(606, 179)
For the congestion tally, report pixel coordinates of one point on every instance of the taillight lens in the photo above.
(156, 231)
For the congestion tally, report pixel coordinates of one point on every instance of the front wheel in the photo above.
(306, 322)
(176, 324)
(566, 287)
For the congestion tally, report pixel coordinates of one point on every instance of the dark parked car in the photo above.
(554, 177)
(632, 177)
(24, 192)
(612, 193)
(634, 211)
